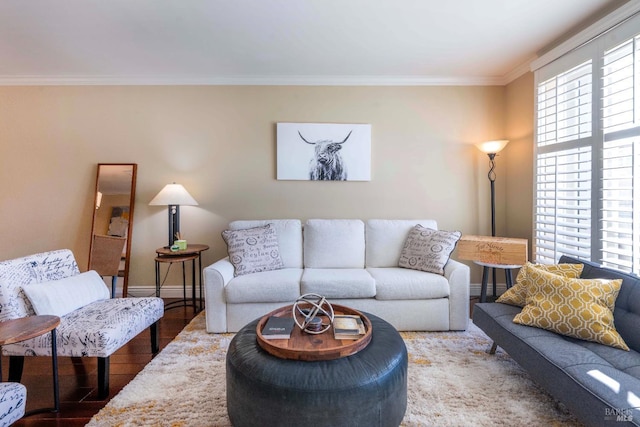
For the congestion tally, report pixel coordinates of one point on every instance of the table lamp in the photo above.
(173, 195)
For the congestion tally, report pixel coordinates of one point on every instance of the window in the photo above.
(587, 172)
(621, 156)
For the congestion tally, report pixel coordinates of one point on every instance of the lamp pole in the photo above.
(174, 223)
(492, 180)
(491, 149)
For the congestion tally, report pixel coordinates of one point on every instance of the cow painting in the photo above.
(327, 163)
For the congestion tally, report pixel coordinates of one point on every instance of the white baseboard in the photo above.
(150, 291)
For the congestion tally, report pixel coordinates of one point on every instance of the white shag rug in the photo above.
(452, 382)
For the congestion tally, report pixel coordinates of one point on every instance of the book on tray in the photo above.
(278, 328)
(347, 327)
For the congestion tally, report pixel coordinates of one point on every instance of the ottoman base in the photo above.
(368, 388)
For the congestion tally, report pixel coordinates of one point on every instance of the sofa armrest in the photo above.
(216, 277)
(458, 275)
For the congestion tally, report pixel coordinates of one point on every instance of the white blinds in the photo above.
(563, 165)
(621, 156)
(564, 106)
(563, 204)
(587, 172)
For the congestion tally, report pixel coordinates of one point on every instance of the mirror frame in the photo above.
(132, 197)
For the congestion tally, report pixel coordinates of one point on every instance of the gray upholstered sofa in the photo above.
(350, 263)
(598, 383)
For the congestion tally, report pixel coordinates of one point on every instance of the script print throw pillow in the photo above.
(253, 250)
(428, 250)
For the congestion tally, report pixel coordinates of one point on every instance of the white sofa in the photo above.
(349, 262)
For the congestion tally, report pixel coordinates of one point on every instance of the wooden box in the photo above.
(493, 250)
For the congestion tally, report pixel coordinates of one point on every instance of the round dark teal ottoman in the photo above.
(368, 388)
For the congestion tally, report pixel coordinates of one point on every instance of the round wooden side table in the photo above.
(485, 276)
(24, 328)
(192, 253)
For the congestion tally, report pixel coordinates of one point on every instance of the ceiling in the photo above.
(281, 41)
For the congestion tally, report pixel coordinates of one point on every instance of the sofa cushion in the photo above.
(517, 295)
(338, 282)
(572, 307)
(269, 286)
(59, 297)
(289, 233)
(253, 250)
(334, 243)
(385, 239)
(404, 284)
(428, 250)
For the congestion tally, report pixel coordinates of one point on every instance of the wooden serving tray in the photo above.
(310, 347)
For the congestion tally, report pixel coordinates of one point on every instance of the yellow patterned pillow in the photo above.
(579, 308)
(517, 294)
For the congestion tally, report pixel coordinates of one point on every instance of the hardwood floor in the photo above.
(78, 377)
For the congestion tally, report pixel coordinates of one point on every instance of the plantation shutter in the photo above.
(563, 165)
(587, 152)
(620, 222)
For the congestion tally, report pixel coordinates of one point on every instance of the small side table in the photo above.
(24, 328)
(192, 253)
(485, 276)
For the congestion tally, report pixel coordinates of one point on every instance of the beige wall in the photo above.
(519, 157)
(220, 143)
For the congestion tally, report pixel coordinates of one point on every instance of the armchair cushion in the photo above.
(63, 296)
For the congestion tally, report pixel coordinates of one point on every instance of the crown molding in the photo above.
(519, 71)
(251, 81)
(608, 22)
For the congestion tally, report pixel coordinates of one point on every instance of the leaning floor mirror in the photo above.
(110, 249)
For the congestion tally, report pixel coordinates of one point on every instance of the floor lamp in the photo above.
(172, 196)
(491, 149)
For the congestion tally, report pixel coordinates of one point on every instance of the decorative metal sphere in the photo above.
(306, 310)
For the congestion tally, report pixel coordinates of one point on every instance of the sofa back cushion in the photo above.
(334, 243)
(289, 232)
(386, 237)
(37, 268)
(627, 309)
